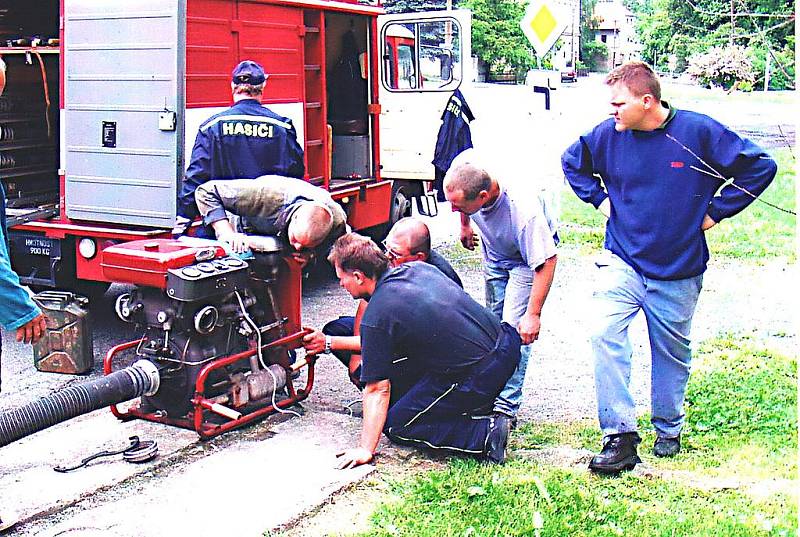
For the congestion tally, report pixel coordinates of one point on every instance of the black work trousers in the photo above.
(435, 411)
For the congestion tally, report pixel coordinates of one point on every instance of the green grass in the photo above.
(524, 498)
(741, 427)
(741, 416)
(582, 225)
(761, 231)
(460, 257)
(758, 232)
(579, 434)
(741, 411)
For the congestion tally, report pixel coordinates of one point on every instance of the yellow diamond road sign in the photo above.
(543, 23)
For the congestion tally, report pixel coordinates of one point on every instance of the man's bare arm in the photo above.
(376, 406)
(530, 323)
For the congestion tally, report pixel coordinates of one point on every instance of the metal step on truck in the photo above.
(104, 99)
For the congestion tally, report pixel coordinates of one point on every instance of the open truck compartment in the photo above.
(104, 100)
(346, 46)
(29, 109)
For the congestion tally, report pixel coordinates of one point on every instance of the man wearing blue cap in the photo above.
(245, 141)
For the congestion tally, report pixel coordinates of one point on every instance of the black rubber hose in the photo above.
(120, 386)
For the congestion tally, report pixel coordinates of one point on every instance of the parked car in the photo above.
(569, 75)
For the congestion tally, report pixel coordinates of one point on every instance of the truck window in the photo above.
(422, 56)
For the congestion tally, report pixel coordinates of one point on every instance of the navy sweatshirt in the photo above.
(658, 199)
(244, 141)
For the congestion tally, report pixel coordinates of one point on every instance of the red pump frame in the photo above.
(197, 418)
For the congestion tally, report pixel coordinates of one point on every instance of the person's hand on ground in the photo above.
(353, 457)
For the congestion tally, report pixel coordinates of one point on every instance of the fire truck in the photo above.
(104, 99)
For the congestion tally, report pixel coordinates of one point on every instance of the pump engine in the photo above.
(219, 329)
(217, 345)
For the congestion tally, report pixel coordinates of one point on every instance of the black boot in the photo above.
(618, 454)
(497, 439)
(667, 447)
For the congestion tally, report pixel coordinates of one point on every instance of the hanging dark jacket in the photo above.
(454, 134)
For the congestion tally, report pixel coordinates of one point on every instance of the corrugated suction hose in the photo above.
(139, 379)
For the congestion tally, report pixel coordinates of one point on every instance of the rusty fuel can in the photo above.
(67, 345)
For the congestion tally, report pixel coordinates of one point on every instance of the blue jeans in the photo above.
(507, 294)
(668, 307)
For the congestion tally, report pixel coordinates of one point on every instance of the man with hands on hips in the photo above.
(654, 172)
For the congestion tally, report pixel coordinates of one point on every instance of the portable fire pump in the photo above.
(217, 347)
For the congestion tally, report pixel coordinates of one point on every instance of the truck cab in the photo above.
(104, 100)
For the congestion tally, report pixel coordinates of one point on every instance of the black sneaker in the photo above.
(618, 454)
(497, 439)
(667, 447)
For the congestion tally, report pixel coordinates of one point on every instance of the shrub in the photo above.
(722, 66)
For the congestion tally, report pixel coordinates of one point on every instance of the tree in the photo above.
(722, 66)
(689, 28)
(409, 6)
(591, 51)
(496, 36)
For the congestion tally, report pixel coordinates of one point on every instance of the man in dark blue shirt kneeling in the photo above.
(421, 324)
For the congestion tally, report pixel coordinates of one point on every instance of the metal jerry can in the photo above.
(67, 345)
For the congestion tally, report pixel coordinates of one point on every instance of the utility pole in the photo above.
(576, 51)
(766, 71)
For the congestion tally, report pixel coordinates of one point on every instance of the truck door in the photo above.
(123, 90)
(424, 58)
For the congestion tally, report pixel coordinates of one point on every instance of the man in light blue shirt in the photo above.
(519, 251)
(17, 310)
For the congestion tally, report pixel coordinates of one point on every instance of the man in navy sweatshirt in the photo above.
(245, 141)
(654, 172)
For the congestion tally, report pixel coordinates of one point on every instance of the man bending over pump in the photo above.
(302, 215)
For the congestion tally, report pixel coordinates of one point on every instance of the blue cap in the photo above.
(249, 72)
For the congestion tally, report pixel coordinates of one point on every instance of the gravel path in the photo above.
(739, 297)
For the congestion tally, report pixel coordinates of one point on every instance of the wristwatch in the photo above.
(328, 344)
